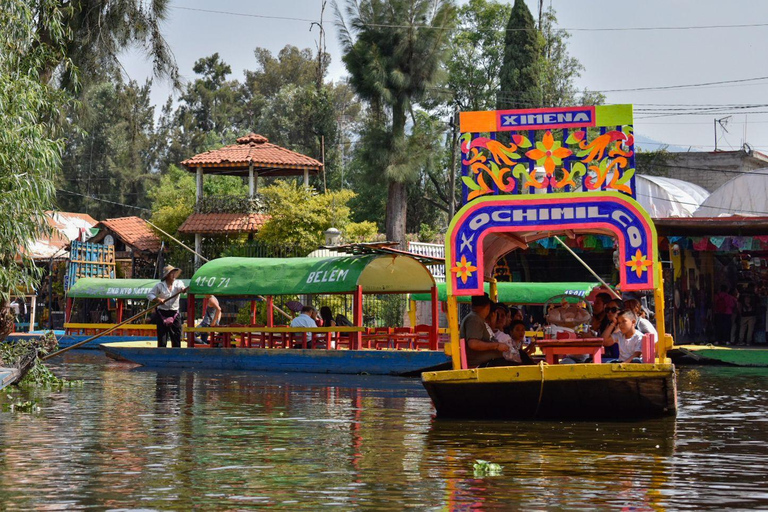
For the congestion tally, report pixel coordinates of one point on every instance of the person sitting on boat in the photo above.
(519, 351)
(326, 315)
(622, 332)
(612, 309)
(481, 347)
(307, 318)
(643, 324)
(211, 316)
(167, 293)
(599, 317)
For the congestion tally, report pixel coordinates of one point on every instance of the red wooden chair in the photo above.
(380, 340)
(399, 342)
(421, 341)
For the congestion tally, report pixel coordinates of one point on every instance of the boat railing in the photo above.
(340, 337)
(554, 348)
(73, 328)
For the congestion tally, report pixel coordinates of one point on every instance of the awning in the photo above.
(97, 288)
(300, 276)
(520, 293)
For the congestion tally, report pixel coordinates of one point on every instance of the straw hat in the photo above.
(167, 270)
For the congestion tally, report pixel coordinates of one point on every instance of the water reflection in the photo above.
(180, 439)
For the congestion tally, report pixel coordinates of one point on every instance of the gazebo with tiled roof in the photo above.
(252, 156)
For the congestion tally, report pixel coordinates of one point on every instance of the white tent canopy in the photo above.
(661, 197)
(746, 194)
(668, 197)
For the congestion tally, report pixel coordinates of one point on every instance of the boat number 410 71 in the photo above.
(210, 282)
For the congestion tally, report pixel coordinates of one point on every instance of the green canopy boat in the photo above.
(520, 293)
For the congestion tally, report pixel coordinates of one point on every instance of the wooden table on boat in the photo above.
(555, 349)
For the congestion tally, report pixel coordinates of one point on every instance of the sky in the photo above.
(619, 43)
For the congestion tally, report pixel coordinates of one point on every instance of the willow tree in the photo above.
(94, 34)
(394, 51)
(30, 150)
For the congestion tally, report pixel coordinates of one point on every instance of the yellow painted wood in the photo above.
(274, 329)
(556, 372)
(109, 326)
(412, 312)
(453, 329)
(494, 290)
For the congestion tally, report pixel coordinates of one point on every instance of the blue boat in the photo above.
(351, 349)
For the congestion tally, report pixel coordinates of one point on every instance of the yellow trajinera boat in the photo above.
(585, 187)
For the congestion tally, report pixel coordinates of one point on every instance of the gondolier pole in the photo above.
(111, 329)
(587, 267)
(286, 315)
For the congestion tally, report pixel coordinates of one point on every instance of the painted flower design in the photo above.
(639, 263)
(549, 153)
(463, 269)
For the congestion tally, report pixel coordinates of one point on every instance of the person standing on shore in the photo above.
(167, 293)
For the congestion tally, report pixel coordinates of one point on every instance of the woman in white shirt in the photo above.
(167, 293)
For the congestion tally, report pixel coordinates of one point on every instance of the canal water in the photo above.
(137, 439)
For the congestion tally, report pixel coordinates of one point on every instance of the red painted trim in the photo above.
(119, 314)
(433, 331)
(270, 311)
(358, 316)
(191, 320)
(575, 201)
(68, 314)
(253, 312)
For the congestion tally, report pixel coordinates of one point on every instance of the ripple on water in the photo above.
(212, 440)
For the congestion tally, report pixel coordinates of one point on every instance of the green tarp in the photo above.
(96, 288)
(520, 293)
(299, 276)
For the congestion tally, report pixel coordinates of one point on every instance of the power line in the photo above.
(572, 29)
(102, 200)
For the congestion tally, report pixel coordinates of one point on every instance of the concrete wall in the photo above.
(711, 170)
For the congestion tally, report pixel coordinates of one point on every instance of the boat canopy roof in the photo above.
(299, 276)
(520, 293)
(99, 288)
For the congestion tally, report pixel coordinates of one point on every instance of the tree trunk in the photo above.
(397, 198)
(7, 320)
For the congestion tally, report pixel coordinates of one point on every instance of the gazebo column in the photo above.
(198, 249)
(306, 177)
(251, 181)
(199, 187)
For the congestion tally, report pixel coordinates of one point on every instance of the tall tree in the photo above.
(476, 55)
(109, 157)
(394, 51)
(95, 32)
(30, 147)
(520, 78)
(558, 69)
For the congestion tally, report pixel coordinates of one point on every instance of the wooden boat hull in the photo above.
(723, 356)
(67, 340)
(371, 362)
(577, 391)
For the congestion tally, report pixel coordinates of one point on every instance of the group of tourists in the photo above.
(736, 314)
(494, 338)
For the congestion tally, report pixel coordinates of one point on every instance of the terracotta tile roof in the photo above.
(223, 223)
(134, 231)
(269, 159)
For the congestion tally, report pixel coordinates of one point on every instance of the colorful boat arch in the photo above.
(489, 227)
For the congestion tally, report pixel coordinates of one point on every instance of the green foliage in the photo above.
(30, 149)
(109, 152)
(299, 216)
(93, 33)
(654, 163)
(173, 199)
(476, 55)
(394, 51)
(365, 231)
(485, 468)
(519, 75)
